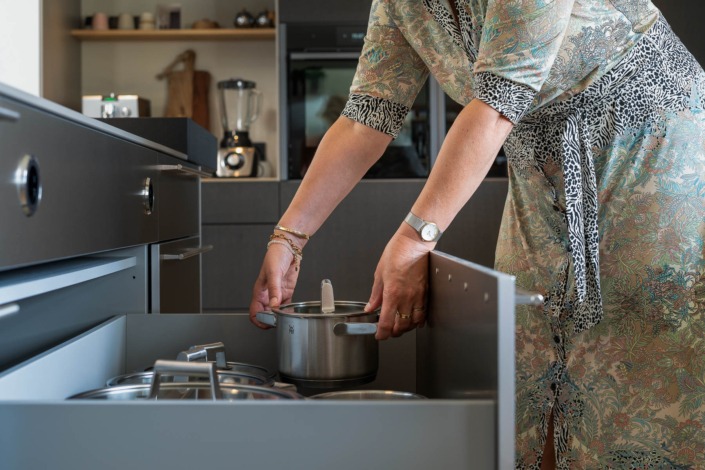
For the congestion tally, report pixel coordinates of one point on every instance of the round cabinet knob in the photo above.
(29, 184)
(235, 160)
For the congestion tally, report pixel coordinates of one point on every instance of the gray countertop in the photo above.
(74, 116)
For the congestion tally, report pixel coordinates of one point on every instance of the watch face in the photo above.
(429, 232)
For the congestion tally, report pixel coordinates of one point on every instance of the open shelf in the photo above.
(220, 34)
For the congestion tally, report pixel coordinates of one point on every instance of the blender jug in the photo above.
(240, 105)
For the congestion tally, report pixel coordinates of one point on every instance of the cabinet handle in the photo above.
(9, 115)
(9, 309)
(187, 253)
(187, 170)
(524, 297)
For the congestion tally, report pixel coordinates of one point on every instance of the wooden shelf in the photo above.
(221, 34)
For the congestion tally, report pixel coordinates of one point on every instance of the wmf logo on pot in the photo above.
(291, 329)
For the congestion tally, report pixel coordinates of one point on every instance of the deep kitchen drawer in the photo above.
(83, 190)
(247, 435)
(42, 306)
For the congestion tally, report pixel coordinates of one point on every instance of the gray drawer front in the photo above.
(177, 200)
(59, 313)
(92, 189)
(240, 202)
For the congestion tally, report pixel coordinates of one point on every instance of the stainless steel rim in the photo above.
(369, 395)
(141, 392)
(338, 303)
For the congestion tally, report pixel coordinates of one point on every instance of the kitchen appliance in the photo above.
(240, 104)
(317, 66)
(325, 350)
(115, 106)
(317, 61)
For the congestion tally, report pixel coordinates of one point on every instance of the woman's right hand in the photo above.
(276, 281)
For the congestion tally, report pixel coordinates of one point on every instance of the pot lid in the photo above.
(188, 391)
(224, 377)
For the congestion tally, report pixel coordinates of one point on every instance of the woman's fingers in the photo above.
(401, 280)
(276, 282)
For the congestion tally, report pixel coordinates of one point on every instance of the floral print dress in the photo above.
(605, 213)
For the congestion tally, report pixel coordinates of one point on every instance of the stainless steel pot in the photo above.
(191, 390)
(325, 350)
(368, 395)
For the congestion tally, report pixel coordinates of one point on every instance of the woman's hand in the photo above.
(400, 285)
(276, 281)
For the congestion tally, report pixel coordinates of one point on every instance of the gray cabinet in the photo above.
(238, 218)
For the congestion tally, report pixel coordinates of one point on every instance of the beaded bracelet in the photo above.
(295, 250)
(295, 233)
(297, 257)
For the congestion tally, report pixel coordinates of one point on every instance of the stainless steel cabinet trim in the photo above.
(41, 280)
(9, 309)
(9, 115)
(186, 170)
(186, 253)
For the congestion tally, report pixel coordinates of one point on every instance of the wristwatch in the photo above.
(428, 231)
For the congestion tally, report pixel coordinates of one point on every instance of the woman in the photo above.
(601, 107)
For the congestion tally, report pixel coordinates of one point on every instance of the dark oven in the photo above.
(317, 71)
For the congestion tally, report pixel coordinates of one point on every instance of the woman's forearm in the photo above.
(466, 156)
(343, 157)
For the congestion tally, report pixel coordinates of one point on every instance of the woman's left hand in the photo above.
(400, 285)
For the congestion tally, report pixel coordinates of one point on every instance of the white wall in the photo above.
(20, 39)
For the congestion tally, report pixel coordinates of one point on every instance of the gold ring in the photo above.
(418, 309)
(403, 316)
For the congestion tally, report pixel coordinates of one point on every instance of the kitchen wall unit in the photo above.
(127, 62)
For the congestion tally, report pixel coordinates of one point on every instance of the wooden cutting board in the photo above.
(188, 90)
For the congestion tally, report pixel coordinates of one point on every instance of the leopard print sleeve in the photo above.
(509, 98)
(518, 47)
(389, 75)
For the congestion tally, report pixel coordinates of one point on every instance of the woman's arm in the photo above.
(466, 156)
(346, 152)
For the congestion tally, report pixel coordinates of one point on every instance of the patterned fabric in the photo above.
(382, 115)
(626, 392)
(605, 214)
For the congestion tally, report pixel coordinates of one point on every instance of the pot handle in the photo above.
(197, 369)
(212, 352)
(354, 329)
(267, 318)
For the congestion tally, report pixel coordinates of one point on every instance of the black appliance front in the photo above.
(320, 66)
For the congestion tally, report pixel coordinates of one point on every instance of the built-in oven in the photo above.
(317, 69)
(317, 66)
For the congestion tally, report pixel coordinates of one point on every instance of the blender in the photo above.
(240, 105)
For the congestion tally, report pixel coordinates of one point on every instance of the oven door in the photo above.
(318, 85)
